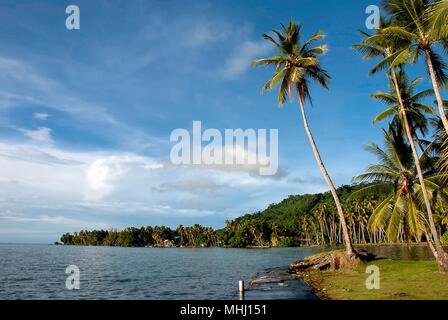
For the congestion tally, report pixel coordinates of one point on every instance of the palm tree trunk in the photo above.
(436, 89)
(419, 143)
(350, 252)
(441, 256)
(430, 242)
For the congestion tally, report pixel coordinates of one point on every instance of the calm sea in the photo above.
(38, 272)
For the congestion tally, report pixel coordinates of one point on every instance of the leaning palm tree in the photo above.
(400, 213)
(296, 65)
(410, 23)
(416, 109)
(394, 54)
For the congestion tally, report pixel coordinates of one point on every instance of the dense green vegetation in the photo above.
(308, 220)
(144, 236)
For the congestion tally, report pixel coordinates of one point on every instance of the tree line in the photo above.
(300, 220)
(159, 236)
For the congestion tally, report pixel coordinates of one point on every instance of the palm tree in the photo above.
(181, 231)
(399, 212)
(443, 162)
(410, 23)
(415, 109)
(440, 146)
(437, 18)
(296, 65)
(395, 54)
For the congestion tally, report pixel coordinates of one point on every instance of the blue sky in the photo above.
(85, 115)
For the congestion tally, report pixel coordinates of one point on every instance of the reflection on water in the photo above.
(401, 252)
(277, 283)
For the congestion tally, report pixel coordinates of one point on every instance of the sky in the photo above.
(86, 115)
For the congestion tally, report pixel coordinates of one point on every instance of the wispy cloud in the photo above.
(45, 219)
(41, 116)
(41, 134)
(26, 84)
(204, 33)
(203, 186)
(243, 55)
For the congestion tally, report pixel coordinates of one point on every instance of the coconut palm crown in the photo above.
(295, 63)
(416, 109)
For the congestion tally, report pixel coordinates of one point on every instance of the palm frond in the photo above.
(267, 61)
(274, 81)
(385, 114)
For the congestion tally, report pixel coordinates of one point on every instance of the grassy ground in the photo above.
(408, 280)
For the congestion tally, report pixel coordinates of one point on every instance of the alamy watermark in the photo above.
(73, 21)
(373, 20)
(73, 279)
(236, 147)
(373, 280)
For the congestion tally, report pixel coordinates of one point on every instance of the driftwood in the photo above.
(319, 263)
(332, 260)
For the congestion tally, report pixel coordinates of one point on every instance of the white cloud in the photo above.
(103, 173)
(58, 220)
(243, 55)
(47, 172)
(41, 116)
(42, 134)
(101, 176)
(204, 33)
(51, 186)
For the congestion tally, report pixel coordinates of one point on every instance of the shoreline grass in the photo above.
(399, 280)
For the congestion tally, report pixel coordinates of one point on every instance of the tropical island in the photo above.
(307, 220)
(400, 199)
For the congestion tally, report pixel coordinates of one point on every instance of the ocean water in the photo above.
(38, 272)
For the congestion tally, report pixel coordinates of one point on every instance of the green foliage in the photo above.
(297, 220)
(444, 239)
(285, 241)
(296, 63)
(306, 220)
(144, 236)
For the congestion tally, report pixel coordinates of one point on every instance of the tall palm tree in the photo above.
(410, 23)
(394, 54)
(296, 65)
(415, 109)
